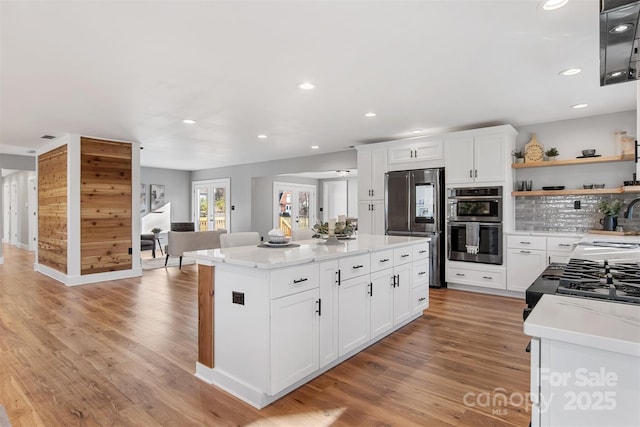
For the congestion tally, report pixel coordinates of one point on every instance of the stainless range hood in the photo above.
(619, 41)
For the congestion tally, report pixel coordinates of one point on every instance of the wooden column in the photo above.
(205, 315)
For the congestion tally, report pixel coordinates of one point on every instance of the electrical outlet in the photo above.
(576, 204)
(237, 297)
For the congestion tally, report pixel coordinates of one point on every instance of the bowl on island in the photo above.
(589, 152)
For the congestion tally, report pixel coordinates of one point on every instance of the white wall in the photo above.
(241, 177)
(21, 179)
(177, 191)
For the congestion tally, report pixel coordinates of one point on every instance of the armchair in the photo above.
(148, 242)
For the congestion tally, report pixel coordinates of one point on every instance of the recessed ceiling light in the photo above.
(570, 71)
(621, 28)
(314, 147)
(262, 136)
(578, 106)
(417, 131)
(554, 4)
(370, 114)
(188, 121)
(306, 86)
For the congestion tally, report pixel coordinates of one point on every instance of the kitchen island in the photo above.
(284, 315)
(585, 353)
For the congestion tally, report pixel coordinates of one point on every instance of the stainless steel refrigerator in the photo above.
(414, 206)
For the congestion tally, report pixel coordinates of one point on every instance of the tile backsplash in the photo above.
(557, 213)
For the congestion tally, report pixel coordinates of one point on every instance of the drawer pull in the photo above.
(421, 299)
(487, 277)
(300, 280)
(525, 243)
(422, 252)
(384, 260)
(357, 266)
(421, 273)
(566, 245)
(404, 255)
(525, 252)
(459, 274)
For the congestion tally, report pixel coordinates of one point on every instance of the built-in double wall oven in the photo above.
(475, 215)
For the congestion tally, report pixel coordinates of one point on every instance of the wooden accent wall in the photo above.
(52, 209)
(105, 206)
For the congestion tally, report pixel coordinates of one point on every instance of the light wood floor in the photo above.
(123, 354)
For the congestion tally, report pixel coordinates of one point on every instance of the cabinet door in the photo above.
(378, 169)
(377, 213)
(523, 267)
(365, 217)
(294, 338)
(329, 312)
(402, 293)
(364, 175)
(489, 158)
(458, 157)
(428, 150)
(381, 302)
(354, 313)
(400, 153)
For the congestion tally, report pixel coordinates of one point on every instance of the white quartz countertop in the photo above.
(599, 247)
(592, 323)
(308, 251)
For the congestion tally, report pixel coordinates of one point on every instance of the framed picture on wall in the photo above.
(143, 199)
(157, 196)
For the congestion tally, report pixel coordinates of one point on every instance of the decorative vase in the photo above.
(609, 223)
(552, 158)
(520, 160)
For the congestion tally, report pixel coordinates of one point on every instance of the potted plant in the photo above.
(156, 230)
(552, 153)
(518, 155)
(611, 210)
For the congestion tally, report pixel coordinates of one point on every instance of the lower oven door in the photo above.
(490, 248)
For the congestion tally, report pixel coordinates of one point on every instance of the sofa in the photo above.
(179, 242)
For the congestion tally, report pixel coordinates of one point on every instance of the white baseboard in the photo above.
(22, 246)
(86, 279)
(483, 290)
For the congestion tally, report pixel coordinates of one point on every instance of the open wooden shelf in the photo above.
(577, 191)
(607, 159)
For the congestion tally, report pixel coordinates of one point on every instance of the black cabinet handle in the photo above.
(525, 243)
(384, 260)
(338, 280)
(525, 252)
(319, 310)
(370, 289)
(422, 251)
(487, 277)
(357, 266)
(300, 280)
(564, 244)
(404, 255)
(421, 273)
(421, 299)
(459, 274)
(398, 281)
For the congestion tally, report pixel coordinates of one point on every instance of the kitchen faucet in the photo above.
(629, 210)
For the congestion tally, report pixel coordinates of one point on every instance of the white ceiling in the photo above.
(132, 70)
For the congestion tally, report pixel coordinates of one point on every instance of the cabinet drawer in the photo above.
(381, 260)
(421, 273)
(561, 244)
(402, 255)
(527, 242)
(294, 279)
(420, 299)
(354, 266)
(421, 251)
(487, 279)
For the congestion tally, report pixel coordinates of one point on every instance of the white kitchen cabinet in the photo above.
(415, 150)
(475, 159)
(371, 216)
(526, 259)
(354, 309)
(372, 165)
(294, 338)
(420, 299)
(328, 312)
(382, 305)
(402, 293)
(559, 249)
(474, 274)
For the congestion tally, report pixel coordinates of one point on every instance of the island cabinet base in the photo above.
(274, 329)
(258, 398)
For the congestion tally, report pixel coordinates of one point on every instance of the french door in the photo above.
(211, 204)
(294, 206)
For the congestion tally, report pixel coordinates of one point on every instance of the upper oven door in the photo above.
(475, 208)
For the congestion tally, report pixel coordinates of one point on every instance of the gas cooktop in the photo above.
(602, 280)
